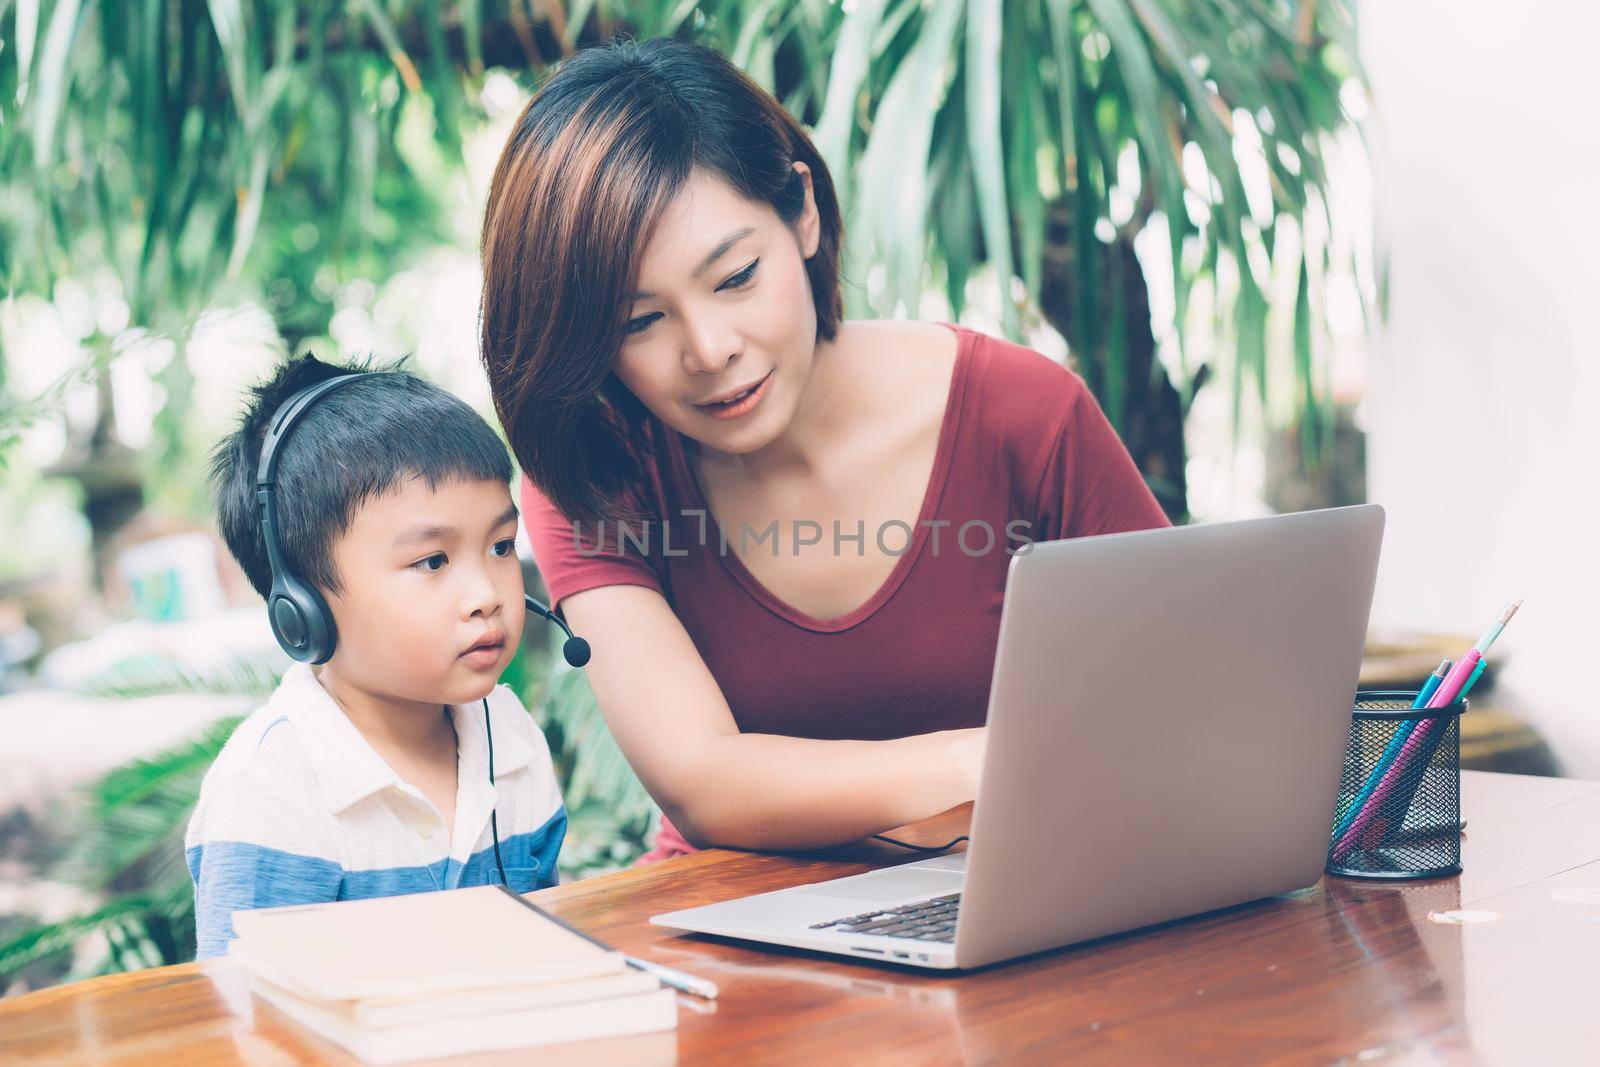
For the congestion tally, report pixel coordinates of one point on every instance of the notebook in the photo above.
(381, 1012)
(422, 943)
(636, 1013)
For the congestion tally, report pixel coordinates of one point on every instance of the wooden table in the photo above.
(1344, 972)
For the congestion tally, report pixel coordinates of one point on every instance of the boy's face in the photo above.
(427, 574)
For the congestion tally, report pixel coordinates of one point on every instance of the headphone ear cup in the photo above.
(301, 621)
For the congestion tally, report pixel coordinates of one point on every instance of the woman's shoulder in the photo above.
(1014, 391)
(1009, 392)
(1012, 365)
(904, 351)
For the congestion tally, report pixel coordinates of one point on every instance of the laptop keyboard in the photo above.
(922, 920)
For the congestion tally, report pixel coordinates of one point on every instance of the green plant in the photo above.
(609, 813)
(165, 139)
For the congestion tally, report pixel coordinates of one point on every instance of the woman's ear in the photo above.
(808, 227)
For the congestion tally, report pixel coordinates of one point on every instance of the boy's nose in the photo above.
(481, 598)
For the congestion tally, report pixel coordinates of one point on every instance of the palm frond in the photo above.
(156, 675)
(45, 940)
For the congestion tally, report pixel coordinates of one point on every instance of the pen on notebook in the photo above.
(686, 983)
(1444, 696)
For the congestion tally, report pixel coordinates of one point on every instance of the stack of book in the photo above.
(442, 974)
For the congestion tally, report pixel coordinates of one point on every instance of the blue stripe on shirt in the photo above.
(231, 876)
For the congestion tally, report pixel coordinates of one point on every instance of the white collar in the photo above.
(346, 766)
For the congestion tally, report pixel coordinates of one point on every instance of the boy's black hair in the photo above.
(354, 444)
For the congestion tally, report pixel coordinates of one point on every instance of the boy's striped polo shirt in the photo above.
(298, 808)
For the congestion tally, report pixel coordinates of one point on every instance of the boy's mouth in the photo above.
(486, 648)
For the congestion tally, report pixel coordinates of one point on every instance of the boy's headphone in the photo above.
(299, 616)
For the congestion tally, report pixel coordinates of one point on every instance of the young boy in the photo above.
(369, 775)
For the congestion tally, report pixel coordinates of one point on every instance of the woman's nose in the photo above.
(707, 348)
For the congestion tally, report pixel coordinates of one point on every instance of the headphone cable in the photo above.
(932, 850)
(494, 823)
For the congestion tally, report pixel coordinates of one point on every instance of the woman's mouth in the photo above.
(742, 404)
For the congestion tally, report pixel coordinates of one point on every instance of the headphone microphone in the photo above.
(575, 650)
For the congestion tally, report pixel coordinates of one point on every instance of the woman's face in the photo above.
(723, 302)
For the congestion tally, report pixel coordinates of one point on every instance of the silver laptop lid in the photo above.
(1166, 725)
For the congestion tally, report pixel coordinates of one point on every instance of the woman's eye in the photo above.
(742, 279)
(642, 323)
(505, 548)
(432, 564)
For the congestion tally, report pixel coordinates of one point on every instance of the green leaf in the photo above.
(754, 31)
(1064, 50)
(44, 940)
(1309, 430)
(988, 160)
(26, 28)
(1023, 63)
(227, 16)
(471, 12)
(54, 78)
(384, 28)
(891, 211)
(847, 72)
(576, 17)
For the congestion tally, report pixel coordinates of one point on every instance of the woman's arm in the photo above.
(756, 791)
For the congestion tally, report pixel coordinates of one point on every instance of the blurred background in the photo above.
(1305, 255)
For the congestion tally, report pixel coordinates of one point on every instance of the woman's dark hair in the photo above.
(593, 162)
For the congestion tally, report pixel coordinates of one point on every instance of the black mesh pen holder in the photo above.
(1399, 808)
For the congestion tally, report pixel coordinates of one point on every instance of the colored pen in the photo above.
(1447, 693)
(667, 976)
(1391, 750)
(684, 983)
(1411, 781)
(1451, 687)
(1431, 686)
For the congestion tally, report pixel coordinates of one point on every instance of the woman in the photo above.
(795, 630)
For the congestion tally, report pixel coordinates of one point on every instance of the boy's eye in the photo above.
(432, 564)
(642, 323)
(505, 548)
(740, 280)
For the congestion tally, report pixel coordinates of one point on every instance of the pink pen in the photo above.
(1443, 697)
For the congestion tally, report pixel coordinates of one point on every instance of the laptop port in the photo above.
(863, 948)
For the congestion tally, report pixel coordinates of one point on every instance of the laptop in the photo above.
(1167, 722)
